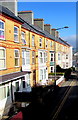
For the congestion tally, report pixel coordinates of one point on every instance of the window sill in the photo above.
(2, 39)
(3, 69)
(16, 42)
(16, 66)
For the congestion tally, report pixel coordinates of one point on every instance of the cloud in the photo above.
(71, 40)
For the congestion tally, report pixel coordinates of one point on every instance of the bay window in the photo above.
(2, 36)
(2, 58)
(25, 57)
(43, 74)
(41, 57)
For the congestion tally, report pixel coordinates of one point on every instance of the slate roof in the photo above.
(7, 12)
(29, 26)
(12, 76)
(36, 29)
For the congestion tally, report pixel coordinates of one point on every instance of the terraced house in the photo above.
(27, 50)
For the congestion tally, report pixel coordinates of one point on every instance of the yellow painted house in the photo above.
(26, 56)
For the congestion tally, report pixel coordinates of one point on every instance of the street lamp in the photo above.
(55, 51)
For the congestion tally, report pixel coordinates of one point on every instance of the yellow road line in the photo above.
(63, 101)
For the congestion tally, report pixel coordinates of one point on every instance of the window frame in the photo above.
(17, 57)
(28, 79)
(17, 41)
(52, 57)
(33, 57)
(23, 38)
(41, 57)
(3, 58)
(3, 30)
(17, 89)
(67, 64)
(5, 91)
(40, 42)
(46, 43)
(66, 56)
(25, 57)
(59, 56)
(33, 40)
(52, 69)
(51, 44)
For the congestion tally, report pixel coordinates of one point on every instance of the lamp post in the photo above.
(55, 51)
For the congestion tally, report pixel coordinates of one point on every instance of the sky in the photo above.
(58, 14)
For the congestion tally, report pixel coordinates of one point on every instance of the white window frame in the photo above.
(2, 30)
(42, 74)
(43, 57)
(52, 57)
(28, 79)
(46, 43)
(18, 85)
(4, 97)
(46, 56)
(25, 57)
(23, 38)
(16, 34)
(67, 64)
(5, 94)
(40, 42)
(33, 57)
(33, 40)
(51, 44)
(3, 58)
(52, 70)
(66, 56)
(59, 56)
(17, 57)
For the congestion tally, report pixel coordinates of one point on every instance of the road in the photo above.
(60, 104)
(67, 109)
(69, 105)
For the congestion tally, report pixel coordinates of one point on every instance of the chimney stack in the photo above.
(47, 27)
(39, 22)
(27, 16)
(54, 33)
(10, 4)
(57, 34)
